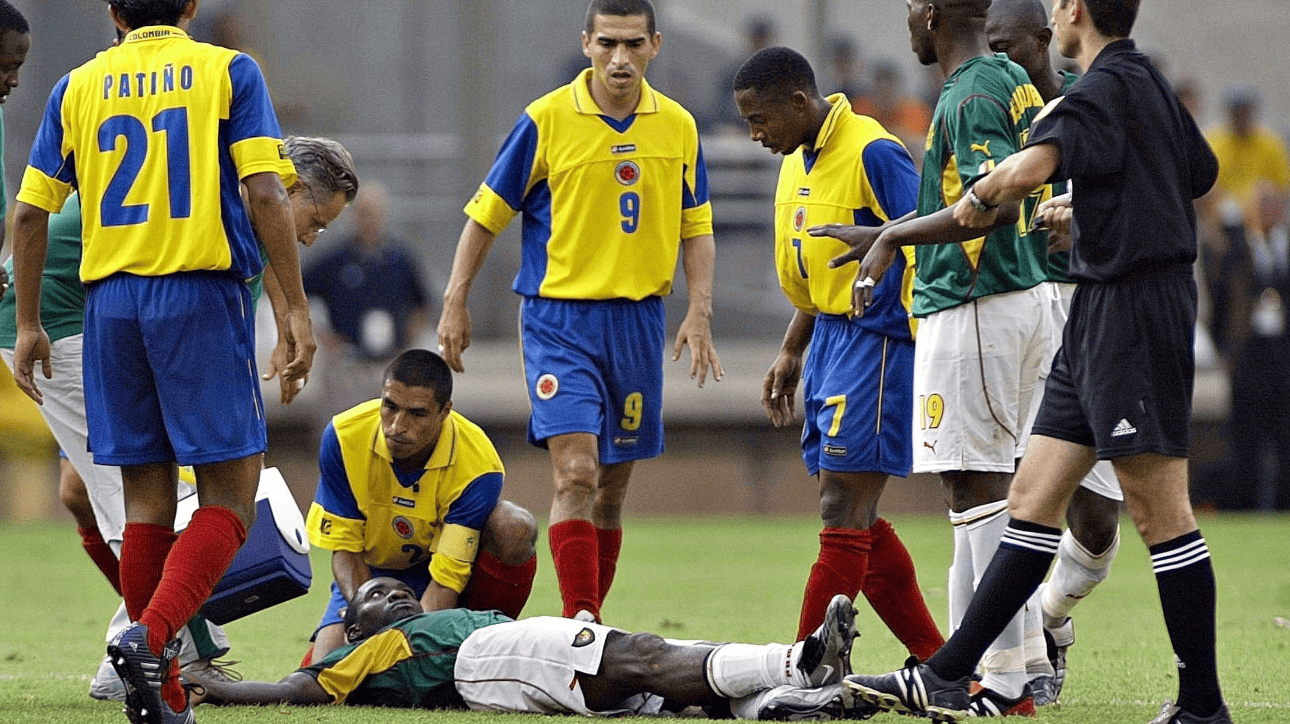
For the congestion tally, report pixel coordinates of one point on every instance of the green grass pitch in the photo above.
(734, 579)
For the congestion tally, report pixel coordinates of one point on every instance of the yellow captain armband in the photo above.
(454, 556)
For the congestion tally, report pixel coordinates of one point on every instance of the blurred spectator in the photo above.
(1259, 441)
(847, 69)
(1188, 90)
(1247, 151)
(902, 114)
(759, 33)
(376, 303)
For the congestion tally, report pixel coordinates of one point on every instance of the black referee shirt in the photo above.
(1136, 160)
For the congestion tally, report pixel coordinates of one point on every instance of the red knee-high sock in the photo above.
(577, 562)
(892, 589)
(199, 558)
(497, 585)
(840, 568)
(610, 541)
(101, 553)
(144, 548)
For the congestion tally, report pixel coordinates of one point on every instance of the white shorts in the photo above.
(1101, 479)
(976, 371)
(532, 666)
(64, 412)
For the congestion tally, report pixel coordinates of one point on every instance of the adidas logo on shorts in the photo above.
(1123, 428)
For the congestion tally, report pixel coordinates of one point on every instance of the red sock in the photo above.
(840, 568)
(574, 549)
(610, 541)
(495, 585)
(144, 548)
(892, 589)
(195, 564)
(101, 553)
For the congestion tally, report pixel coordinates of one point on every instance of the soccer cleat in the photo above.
(213, 669)
(1059, 638)
(107, 685)
(143, 674)
(826, 654)
(1170, 713)
(1046, 690)
(791, 703)
(914, 690)
(585, 616)
(988, 702)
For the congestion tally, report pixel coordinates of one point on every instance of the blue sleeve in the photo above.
(509, 176)
(699, 195)
(251, 113)
(47, 150)
(334, 493)
(892, 176)
(476, 503)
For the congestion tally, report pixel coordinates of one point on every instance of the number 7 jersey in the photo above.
(605, 203)
(157, 134)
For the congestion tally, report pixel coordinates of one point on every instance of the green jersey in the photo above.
(407, 664)
(62, 296)
(1059, 264)
(982, 117)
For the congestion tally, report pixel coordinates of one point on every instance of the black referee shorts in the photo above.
(1122, 381)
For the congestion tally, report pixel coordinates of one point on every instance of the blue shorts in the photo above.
(596, 367)
(170, 370)
(857, 388)
(418, 579)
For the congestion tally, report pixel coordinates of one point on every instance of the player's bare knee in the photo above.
(510, 533)
(644, 656)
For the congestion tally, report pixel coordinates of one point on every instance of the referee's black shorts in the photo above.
(1122, 380)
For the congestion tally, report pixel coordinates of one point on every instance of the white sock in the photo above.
(1003, 667)
(737, 670)
(1075, 575)
(1037, 663)
(963, 571)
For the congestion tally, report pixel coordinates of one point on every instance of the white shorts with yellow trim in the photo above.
(976, 373)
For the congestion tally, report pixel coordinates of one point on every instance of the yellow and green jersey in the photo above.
(605, 203)
(856, 173)
(982, 117)
(156, 135)
(397, 518)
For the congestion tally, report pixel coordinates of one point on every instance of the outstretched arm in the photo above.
(296, 688)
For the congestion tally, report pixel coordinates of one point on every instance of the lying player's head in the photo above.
(1020, 29)
(326, 181)
(416, 397)
(141, 13)
(776, 93)
(929, 19)
(620, 40)
(15, 41)
(376, 604)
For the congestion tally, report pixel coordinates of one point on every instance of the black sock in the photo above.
(1185, 577)
(1017, 569)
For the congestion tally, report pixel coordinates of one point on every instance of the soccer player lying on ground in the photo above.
(460, 659)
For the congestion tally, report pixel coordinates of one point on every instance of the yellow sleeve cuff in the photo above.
(334, 533)
(489, 210)
(696, 221)
(263, 155)
(454, 556)
(42, 191)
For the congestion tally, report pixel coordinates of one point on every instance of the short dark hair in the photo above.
(11, 19)
(776, 72)
(422, 368)
(142, 13)
(620, 8)
(323, 165)
(1029, 13)
(1113, 18)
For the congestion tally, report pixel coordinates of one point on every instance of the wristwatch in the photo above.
(976, 201)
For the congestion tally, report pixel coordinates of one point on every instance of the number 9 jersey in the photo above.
(606, 203)
(173, 126)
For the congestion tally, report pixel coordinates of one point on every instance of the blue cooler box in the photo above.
(273, 565)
